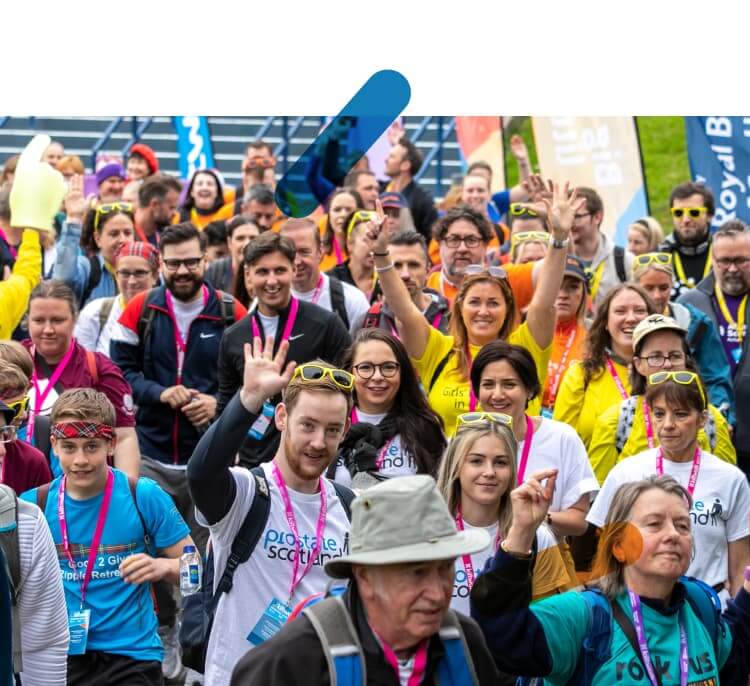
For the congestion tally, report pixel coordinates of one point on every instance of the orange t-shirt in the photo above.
(520, 277)
(331, 259)
(564, 352)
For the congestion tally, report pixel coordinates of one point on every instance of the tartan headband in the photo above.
(82, 430)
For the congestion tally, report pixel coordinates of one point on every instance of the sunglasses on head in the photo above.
(524, 236)
(495, 272)
(111, 208)
(473, 418)
(360, 216)
(19, 406)
(517, 209)
(315, 372)
(654, 258)
(682, 377)
(693, 212)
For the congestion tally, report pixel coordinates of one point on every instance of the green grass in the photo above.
(662, 148)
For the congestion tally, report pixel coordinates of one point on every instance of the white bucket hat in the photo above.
(404, 519)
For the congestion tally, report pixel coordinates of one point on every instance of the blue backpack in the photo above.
(346, 665)
(597, 644)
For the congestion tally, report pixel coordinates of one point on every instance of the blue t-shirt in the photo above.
(498, 205)
(54, 461)
(123, 620)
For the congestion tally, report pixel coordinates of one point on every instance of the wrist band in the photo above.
(518, 556)
(380, 270)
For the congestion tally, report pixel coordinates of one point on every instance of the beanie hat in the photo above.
(147, 154)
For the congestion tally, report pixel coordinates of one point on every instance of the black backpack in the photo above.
(198, 610)
(338, 300)
(95, 276)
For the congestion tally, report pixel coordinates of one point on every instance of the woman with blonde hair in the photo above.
(477, 474)
(644, 235)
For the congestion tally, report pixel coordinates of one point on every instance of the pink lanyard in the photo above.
(555, 385)
(337, 251)
(292, 521)
(420, 661)
(616, 378)
(318, 290)
(178, 339)
(466, 559)
(12, 248)
(41, 397)
(526, 449)
(472, 397)
(104, 507)
(693, 472)
(649, 426)
(436, 321)
(293, 309)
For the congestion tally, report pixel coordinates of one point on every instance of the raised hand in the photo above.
(518, 148)
(530, 503)
(376, 233)
(562, 209)
(75, 202)
(265, 375)
(537, 191)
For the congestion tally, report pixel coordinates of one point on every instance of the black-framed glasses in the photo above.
(495, 272)
(474, 418)
(138, 274)
(365, 370)
(110, 208)
(315, 372)
(685, 378)
(725, 262)
(658, 359)
(190, 263)
(453, 241)
(7, 434)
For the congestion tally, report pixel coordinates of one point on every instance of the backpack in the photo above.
(198, 610)
(338, 300)
(439, 370)
(619, 255)
(596, 646)
(625, 423)
(104, 312)
(95, 276)
(343, 651)
(9, 506)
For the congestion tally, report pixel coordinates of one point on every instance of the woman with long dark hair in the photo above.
(393, 432)
(341, 204)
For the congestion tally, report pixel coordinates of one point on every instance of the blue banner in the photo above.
(193, 144)
(719, 155)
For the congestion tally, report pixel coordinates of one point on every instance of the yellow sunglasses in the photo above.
(18, 407)
(517, 209)
(472, 418)
(681, 377)
(360, 216)
(694, 212)
(110, 208)
(312, 372)
(654, 258)
(525, 236)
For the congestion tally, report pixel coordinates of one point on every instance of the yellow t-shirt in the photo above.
(579, 405)
(603, 453)
(450, 394)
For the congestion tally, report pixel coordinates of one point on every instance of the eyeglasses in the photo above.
(111, 208)
(524, 236)
(726, 262)
(358, 217)
(191, 263)
(453, 241)
(683, 377)
(19, 406)
(315, 372)
(365, 370)
(694, 212)
(139, 274)
(658, 360)
(471, 418)
(7, 434)
(495, 272)
(517, 209)
(654, 258)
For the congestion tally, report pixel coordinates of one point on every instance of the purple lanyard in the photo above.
(640, 632)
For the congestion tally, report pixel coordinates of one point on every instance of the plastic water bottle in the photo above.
(191, 571)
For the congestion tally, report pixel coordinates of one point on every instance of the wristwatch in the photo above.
(557, 243)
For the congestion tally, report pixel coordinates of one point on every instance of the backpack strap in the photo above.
(226, 307)
(711, 431)
(372, 319)
(457, 667)
(104, 312)
(438, 371)
(9, 506)
(42, 425)
(706, 605)
(338, 637)
(695, 340)
(146, 320)
(92, 366)
(596, 646)
(41, 496)
(249, 534)
(346, 495)
(95, 276)
(338, 300)
(133, 483)
(625, 623)
(619, 255)
(625, 422)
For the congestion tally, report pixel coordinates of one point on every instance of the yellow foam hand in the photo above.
(38, 189)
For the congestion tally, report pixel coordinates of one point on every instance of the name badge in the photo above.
(261, 424)
(273, 618)
(78, 625)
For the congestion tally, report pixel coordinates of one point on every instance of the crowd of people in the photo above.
(467, 443)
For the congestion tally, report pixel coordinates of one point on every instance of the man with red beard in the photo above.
(306, 515)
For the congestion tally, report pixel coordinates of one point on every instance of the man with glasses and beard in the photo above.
(692, 207)
(167, 344)
(723, 295)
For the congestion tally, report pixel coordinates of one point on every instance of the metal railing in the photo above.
(436, 152)
(287, 133)
(138, 130)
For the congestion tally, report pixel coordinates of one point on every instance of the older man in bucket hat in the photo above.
(393, 625)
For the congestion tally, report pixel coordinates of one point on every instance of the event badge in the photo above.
(78, 625)
(273, 618)
(261, 424)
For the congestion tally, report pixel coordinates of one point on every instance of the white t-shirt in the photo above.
(185, 314)
(87, 330)
(719, 515)
(355, 301)
(268, 572)
(270, 325)
(396, 461)
(557, 445)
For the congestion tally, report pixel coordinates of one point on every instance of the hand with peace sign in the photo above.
(265, 375)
